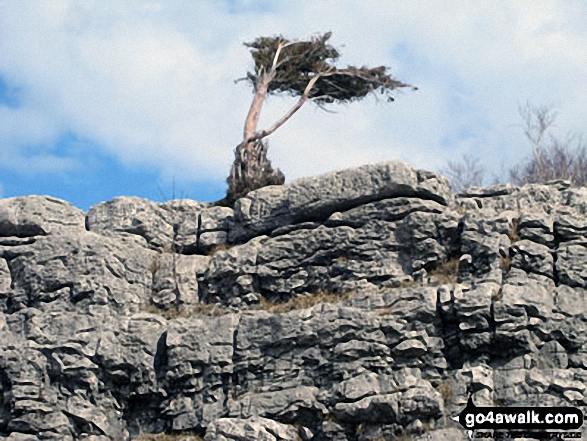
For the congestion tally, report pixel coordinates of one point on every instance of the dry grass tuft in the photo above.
(409, 283)
(207, 309)
(305, 302)
(505, 264)
(514, 233)
(217, 248)
(497, 296)
(210, 309)
(445, 390)
(446, 272)
(155, 265)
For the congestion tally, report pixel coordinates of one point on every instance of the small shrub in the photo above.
(445, 390)
(210, 309)
(505, 264)
(498, 403)
(408, 283)
(207, 309)
(514, 233)
(150, 308)
(217, 248)
(155, 265)
(497, 296)
(304, 302)
(446, 272)
(169, 314)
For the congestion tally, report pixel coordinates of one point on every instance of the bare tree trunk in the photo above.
(251, 169)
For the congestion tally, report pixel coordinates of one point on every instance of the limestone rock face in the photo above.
(37, 216)
(359, 305)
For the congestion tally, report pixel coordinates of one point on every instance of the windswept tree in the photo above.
(305, 69)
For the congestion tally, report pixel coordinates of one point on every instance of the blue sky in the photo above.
(101, 98)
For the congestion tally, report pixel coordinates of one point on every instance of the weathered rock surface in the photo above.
(401, 301)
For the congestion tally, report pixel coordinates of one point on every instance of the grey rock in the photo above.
(378, 408)
(403, 301)
(85, 269)
(570, 265)
(310, 199)
(254, 428)
(15, 436)
(532, 257)
(182, 225)
(150, 220)
(285, 404)
(175, 279)
(37, 216)
(198, 364)
(134, 216)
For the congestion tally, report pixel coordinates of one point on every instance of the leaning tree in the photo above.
(302, 68)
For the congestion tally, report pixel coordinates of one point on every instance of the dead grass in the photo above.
(461, 209)
(217, 248)
(514, 233)
(210, 309)
(207, 309)
(505, 264)
(445, 390)
(408, 283)
(446, 272)
(498, 403)
(169, 314)
(305, 302)
(496, 297)
(155, 264)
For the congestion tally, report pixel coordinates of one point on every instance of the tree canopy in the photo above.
(294, 63)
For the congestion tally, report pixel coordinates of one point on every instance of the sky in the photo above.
(102, 98)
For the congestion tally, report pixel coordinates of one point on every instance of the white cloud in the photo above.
(152, 81)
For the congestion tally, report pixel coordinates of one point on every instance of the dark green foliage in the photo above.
(299, 62)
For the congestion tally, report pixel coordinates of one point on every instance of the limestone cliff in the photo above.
(366, 304)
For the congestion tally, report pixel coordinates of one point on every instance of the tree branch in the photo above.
(290, 112)
(281, 46)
